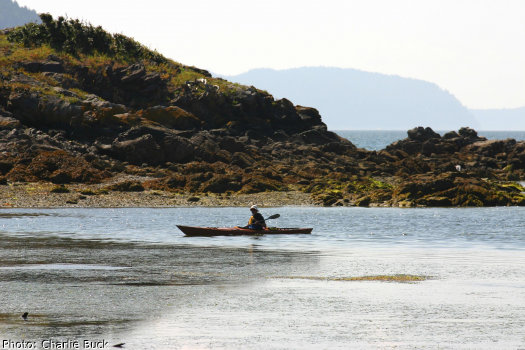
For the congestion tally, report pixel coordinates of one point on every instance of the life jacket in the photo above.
(257, 218)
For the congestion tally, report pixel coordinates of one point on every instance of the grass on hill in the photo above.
(78, 43)
(74, 37)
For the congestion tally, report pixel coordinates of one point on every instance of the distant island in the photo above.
(12, 15)
(354, 99)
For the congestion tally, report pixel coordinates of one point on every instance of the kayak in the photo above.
(238, 231)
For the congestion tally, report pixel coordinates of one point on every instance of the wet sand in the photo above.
(125, 276)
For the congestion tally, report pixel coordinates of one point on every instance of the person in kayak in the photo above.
(256, 221)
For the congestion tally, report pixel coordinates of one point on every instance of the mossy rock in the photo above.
(60, 189)
(329, 199)
(519, 200)
(256, 186)
(168, 183)
(512, 187)
(127, 186)
(171, 117)
(436, 201)
(363, 201)
(88, 192)
(405, 204)
(471, 201)
(221, 184)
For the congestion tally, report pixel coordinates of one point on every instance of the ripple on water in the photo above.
(129, 275)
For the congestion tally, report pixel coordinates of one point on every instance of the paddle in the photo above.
(274, 216)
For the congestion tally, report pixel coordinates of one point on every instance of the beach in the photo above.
(49, 195)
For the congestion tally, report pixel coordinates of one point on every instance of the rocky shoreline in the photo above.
(49, 195)
(81, 129)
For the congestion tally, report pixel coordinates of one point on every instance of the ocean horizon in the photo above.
(375, 140)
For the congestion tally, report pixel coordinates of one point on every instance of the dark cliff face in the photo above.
(86, 117)
(109, 115)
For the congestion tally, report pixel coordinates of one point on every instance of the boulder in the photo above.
(7, 121)
(132, 74)
(126, 186)
(177, 149)
(32, 109)
(95, 102)
(422, 134)
(231, 144)
(222, 184)
(242, 160)
(468, 133)
(43, 66)
(315, 137)
(24, 105)
(450, 135)
(309, 115)
(491, 148)
(172, 117)
(141, 150)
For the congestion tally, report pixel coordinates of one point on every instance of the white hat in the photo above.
(254, 207)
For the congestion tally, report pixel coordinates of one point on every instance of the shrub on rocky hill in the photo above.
(74, 37)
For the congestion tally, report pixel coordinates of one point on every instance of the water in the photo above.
(379, 139)
(128, 275)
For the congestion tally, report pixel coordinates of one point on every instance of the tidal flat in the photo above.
(129, 276)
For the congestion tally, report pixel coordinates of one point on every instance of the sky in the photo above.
(475, 49)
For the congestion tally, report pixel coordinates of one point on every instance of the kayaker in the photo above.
(256, 221)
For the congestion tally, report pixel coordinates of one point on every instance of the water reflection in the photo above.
(75, 287)
(127, 275)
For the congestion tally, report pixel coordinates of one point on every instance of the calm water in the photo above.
(379, 139)
(128, 275)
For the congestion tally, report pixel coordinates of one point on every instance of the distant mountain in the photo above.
(353, 99)
(12, 15)
(500, 119)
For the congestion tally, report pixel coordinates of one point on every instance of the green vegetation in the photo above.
(88, 192)
(337, 191)
(79, 44)
(512, 186)
(60, 189)
(75, 38)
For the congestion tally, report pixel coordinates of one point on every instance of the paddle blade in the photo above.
(274, 216)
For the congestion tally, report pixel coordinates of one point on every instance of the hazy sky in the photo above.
(475, 49)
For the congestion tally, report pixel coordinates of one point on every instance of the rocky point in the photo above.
(87, 114)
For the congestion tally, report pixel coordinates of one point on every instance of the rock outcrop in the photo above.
(67, 118)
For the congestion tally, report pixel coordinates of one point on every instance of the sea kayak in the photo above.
(239, 231)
